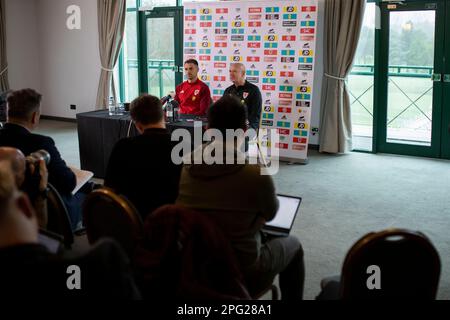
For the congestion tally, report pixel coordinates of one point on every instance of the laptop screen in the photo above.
(286, 212)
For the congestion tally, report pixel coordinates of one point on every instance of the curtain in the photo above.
(343, 22)
(4, 84)
(111, 25)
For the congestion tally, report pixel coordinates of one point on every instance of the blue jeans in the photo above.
(73, 204)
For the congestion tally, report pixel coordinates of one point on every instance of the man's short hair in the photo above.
(146, 109)
(7, 185)
(227, 113)
(22, 103)
(193, 61)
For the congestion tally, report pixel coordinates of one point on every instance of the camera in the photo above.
(33, 177)
(37, 156)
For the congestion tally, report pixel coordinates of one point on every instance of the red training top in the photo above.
(194, 98)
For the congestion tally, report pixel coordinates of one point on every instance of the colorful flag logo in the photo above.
(283, 124)
(308, 23)
(253, 73)
(238, 24)
(190, 11)
(288, 52)
(218, 92)
(271, 38)
(254, 24)
(272, 9)
(290, 9)
(204, 51)
(220, 58)
(301, 133)
(284, 110)
(303, 96)
(254, 38)
(286, 88)
(300, 140)
(189, 45)
(288, 38)
(269, 80)
(254, 10)
(269, 109)
(301, 125)
(237, 31)
(267, 123)
(221, 24)
(304, 89)
(289, 16)
(272, 45)
(269, 73)
(268, 116)
(272, 16)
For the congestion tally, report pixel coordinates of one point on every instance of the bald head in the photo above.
(17, 162)
(237, 74)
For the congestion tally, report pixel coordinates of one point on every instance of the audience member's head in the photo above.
(17, 161)
(227, 113)
(24, 107)
(146, 112)
(18, 222)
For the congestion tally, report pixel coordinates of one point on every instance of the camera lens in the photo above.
(40, 155)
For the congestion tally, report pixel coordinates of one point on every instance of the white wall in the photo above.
(22, 44)
(69, 59)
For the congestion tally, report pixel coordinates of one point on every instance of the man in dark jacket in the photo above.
(141, 167)
(23, 117)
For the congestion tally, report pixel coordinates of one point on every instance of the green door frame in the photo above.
(381, 81)
(159, 12)
(445, 126)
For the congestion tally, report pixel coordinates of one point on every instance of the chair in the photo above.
(58, 217)
(409, 267)
(106, 214)
(184, 255)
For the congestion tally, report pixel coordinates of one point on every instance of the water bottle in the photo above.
(112, 106)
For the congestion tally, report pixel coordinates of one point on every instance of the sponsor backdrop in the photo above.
(276, 41)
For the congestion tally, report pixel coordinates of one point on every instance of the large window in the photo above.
(361, 83)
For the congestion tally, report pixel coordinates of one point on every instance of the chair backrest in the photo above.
(391, 264)
(184, 255)
(58, 217)
(106, 214)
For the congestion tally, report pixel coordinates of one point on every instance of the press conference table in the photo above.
(98, 132)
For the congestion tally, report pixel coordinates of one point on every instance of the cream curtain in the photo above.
(111, 25)
(343, 22)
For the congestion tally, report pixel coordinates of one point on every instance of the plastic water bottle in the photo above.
(112, 106)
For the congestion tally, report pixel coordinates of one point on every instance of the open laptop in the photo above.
(282, 224)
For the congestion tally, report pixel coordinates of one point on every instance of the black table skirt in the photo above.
(98, 132)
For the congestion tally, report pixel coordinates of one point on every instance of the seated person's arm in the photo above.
(268, 201)
(60, 175)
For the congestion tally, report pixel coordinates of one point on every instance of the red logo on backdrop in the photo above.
(268, 88)
(270, 52)
(287, 74)
(190, 18)
(220, 65)
(285, 110)
(205, 58)
(190, 31)
(285, 95)
(309, 9)
(254, 10)
(254, 45)
(220, 78)
(288, 38)
(254, 17)
(222, 10)
(270, 59)
(282, 145)
(284, 131)
(307, 38)
(220, 44)
(205, 24)
(254, 24)
(285, 102)
(252, 59)
(307, 30)
(300, 140)
(298, 147)
(221, 38)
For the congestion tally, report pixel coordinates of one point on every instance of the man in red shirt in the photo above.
(193, 95)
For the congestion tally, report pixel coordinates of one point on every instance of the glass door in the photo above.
(410, 78)
(161, 52)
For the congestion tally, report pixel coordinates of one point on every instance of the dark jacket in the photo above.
(236, 197)
(30, 271)
(59, 175)
(141, 169)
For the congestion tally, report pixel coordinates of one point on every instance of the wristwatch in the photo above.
(44, 193)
